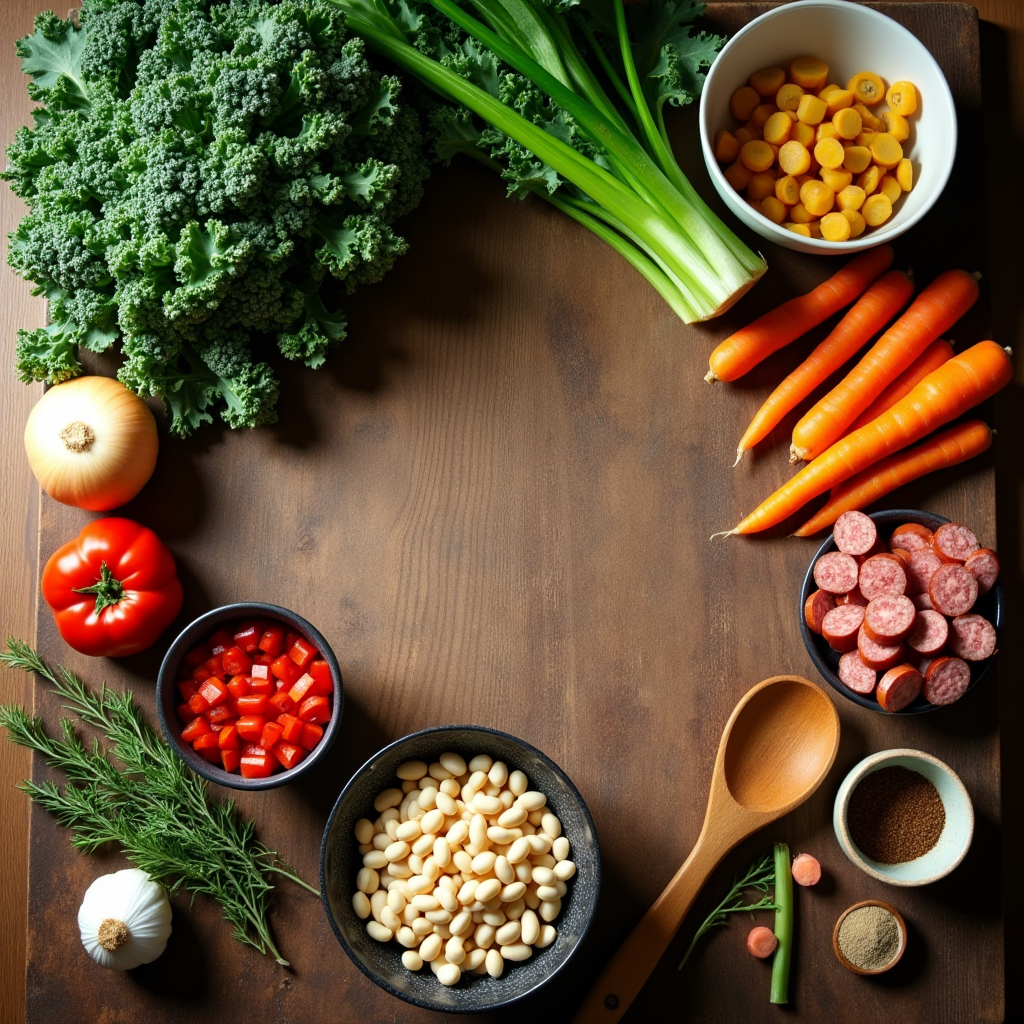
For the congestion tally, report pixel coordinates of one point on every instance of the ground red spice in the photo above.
(895, 815)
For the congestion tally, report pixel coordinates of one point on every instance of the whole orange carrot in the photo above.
(937, 353)
(935, 310)
(869, 314)
(743, 350)
(958, 444)
(944, 394)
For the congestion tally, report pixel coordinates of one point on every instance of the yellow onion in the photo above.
(91, 443)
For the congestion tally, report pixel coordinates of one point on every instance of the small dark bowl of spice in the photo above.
(903, 817)
(869, 937)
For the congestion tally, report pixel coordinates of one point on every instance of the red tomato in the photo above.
(113, 589)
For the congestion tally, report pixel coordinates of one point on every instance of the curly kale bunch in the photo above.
(195, 171)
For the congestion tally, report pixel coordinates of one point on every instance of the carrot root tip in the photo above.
(723, 533)
(739, 455)
(797, 454)
(710, 377)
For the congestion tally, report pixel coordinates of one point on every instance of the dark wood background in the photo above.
(495, 502)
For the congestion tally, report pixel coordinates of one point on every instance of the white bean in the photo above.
(453, 762)
(503, 836)
(377, 931)
(375, 859)
(364, 830)
(361, 904)
(422, 925)
(495, 963)
(530, 925)
(400, 869)
(549, 909)
(512, 817)
(390, 919)
(444, 931)
(438, 771)
(447, 804)
(543, 876)
(551, 825)
(446, 898)
(513, 891)
(518, 783)
(391, 827)
(478, 832)
(461, 923)
(424, 901)
(498, 775)
(514, 911)
(474, 960)
(487, 890)
(419, 884)
(407, 937)
(367, 880)
(519, 850)
(415, 863)
(495, 918)
(517, 951)
(503, 870)
(548, 933)
(423, 844)
(387, 798)
(411, 960)
(483, 863)
(538, 844)
(484, 935)
(450, 787)
(547, 893)
(409, 830)
(381, 841)
(449, 975)
(396, 851)
(410, 915)
(560, 848)
(458, 833)
(453, 950)
(391, 814)
(433, 821)
(508, 933)
(524, 871)
(438, 916)
(430, 947)
(427, 798)
(412, 770)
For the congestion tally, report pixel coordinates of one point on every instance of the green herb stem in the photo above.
(783, 925)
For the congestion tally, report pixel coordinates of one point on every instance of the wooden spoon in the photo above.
(777, 747)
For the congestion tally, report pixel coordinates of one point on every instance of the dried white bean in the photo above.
(543, 876)
(562, 889)
(535, 817)
(483, 863)
(538, 844)
(430, 947)
(495, 963)
(520, 850)
(410, 914)
(375, 859)
(425, 901)
(474, 960)
(439, 772)
(446, 898)
(481, 763)
(443, 930)
(381, 841)
(548, 933)
(450, 787)
(422, 926)
(453, 762)
(396, 851)
(478, 832)
(484, 935)
(409, 830)
(514, 911)
(400, 869)
(549, 909)
(427, 798)
(517, 951)
(407, 937)
(532, 900)
(453, 950)
(462, 860)
(547, 893)
(390, 919)
(361, 904)
(560, 848)
(412, 770)
(387, 798)
(423, 844)
(367, 880)
(461, 922)
(488, 890)
(512, 817)
(551, 825)
(503, 870)
(513, 891)
(503, 836)
(530, 924)
(449, 975)
(411, 960)
(446, 803)
(419, 884)
(433, 821)
(364, 830)
(396, 900)
(524, 871)
(490, 805)
(458, 833)
(508, 933)
(377, 931)
(391, 827)
(438, 916)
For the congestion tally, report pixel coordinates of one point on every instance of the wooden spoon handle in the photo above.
(622, 979)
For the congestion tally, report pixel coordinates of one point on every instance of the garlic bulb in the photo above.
(91, 443)
(125, 919)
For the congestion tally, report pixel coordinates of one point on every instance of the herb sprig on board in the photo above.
(152, 804)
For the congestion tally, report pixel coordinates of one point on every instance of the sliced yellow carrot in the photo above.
(905, 174)
(767, 81)
(835, 227)
(847, 123)
(788, 97)
(809, 72)
(743, 103)
(867, 87)
(902, 98)
(876, 210)
(811, 110)
(726, 147)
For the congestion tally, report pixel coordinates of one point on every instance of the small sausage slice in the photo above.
(911, 537)
(816, 607)
(854, 533)
(930, 633)
(882, 574)
(984, 566)
(853, 597)
(899, 687)
(879, 657)
(841, 625)
(889, 618)
(953, 589)
(922, 602)
(972, 638)
(836, 572)
(922, 564)
(947, 680)
(855, 674)
(953, 542)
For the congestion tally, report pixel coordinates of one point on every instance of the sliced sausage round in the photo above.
(854, 533)
(882, 574)
(972, 638)
(984, 566)
(836, 572)
(889, 618)
(911, 537)
(853, 597)
(922, 602)
(878, 657)
(930, 633)
(922, 564)
(841, 625)
(899, 687)
(953, 542)
(947, 680)
(953, 589)
(816, 607)
(855, 674)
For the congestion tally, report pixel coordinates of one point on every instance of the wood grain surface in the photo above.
(494, 502)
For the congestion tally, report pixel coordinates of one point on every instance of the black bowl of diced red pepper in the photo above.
(250, 695)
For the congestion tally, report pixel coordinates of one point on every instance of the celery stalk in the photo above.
(783, 924)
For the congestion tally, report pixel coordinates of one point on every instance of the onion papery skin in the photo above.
(117, 452)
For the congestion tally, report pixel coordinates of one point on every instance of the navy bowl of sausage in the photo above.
(826, 660)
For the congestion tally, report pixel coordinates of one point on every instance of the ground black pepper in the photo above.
(895, 815)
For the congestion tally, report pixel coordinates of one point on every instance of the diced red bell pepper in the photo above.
(260, 658)
(250, 727)
(219, 715)
(302, 652)
(185, 714)
(265, 686)
(272, 641)
(248, 640)
(214, 692)
(235, 662)
(302, 688)
(186, 687)
(198, 703)
(285, 669)
(270, 735)
(221, 641)
(281, 704)
(228, 737)
(257, 766)
(311, 735)
(290, 637)
(253, 750)
(315, 709)
(231, 759)
(289, 754)
(239, 686)
(197, 656)
(196, 728)
(321, 673)
(200, 675)
(252, 704)
(259, 671)
(215, 666)
(291, 728)
(206, 746)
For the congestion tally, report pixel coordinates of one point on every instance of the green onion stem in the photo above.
(783, 925)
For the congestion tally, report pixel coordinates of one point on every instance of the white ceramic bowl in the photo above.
(849, 38)
(956, 835)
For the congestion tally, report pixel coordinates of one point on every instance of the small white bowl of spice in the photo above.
(903, 817)
(869, 937)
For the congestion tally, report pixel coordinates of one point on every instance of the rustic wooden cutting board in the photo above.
(495, 502)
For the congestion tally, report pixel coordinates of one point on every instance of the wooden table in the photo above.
(519, 496)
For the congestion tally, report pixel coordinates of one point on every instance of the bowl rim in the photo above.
(167, 675)
(377, 978)
(919, 705)
(901, 924)
(773, 232)
(872, 763)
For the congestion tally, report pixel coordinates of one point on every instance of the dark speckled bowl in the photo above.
(827, 661)
(340, 861)
(168, 698)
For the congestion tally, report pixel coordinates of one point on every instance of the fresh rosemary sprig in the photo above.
(154, 806)
(761, 876)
